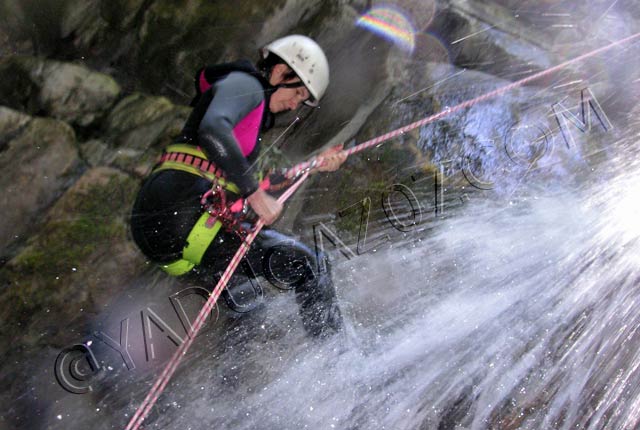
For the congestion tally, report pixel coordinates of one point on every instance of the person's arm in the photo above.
(281, 179)
(235, 96)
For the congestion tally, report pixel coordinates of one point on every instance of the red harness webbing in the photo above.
(191, 160)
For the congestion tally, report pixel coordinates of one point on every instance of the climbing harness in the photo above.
(191, 159)
(231, 215)
(217, 213)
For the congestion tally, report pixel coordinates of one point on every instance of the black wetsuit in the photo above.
(168, 204)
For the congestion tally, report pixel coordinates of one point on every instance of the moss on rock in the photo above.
(59, 269)
(38, 160)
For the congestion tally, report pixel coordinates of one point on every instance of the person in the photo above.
(171, 220)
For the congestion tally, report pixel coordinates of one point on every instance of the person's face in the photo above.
(285, 99)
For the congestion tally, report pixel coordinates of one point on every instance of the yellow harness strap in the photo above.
(186, 158)
(198, 242)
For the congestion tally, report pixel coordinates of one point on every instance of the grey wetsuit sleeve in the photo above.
(235, 96)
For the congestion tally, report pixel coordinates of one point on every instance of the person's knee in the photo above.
(288, 264)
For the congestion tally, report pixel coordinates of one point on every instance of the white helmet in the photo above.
(306, 59)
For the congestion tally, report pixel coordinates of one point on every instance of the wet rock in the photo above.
(133, 160)
(65, 91)
(95, 152)
(18, 88)
(4, 38)
(137, 121)
(11, 122)
(79, 256)
(75, 94)
(163, 41)
(493, 142)
(490, 38)
(290, 14)
(175, 41)
(98, 153)
(138, 128)
(39, 160)
(89, 23)
(82, 22)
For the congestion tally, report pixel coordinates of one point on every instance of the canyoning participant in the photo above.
(218, 148)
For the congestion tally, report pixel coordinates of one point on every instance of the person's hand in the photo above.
(331, 159)
(265, 206)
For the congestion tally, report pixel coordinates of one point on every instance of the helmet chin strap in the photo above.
(291, 85)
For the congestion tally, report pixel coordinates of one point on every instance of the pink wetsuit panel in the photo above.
(204, 85)
(246, 131)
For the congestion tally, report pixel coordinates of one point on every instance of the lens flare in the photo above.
(431, 49)
(421, 12)
(391, 24)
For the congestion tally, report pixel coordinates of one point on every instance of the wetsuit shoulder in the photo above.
(236, 96)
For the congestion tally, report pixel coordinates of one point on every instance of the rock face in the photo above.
(38, 159)
(162, 40)
(136, 130)
(78, 256)
(140, 121)
(76, 260)
(69, 92)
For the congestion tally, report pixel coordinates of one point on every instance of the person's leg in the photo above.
(165, 210)
(289, 264)
(242, 293)
(284, 262)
